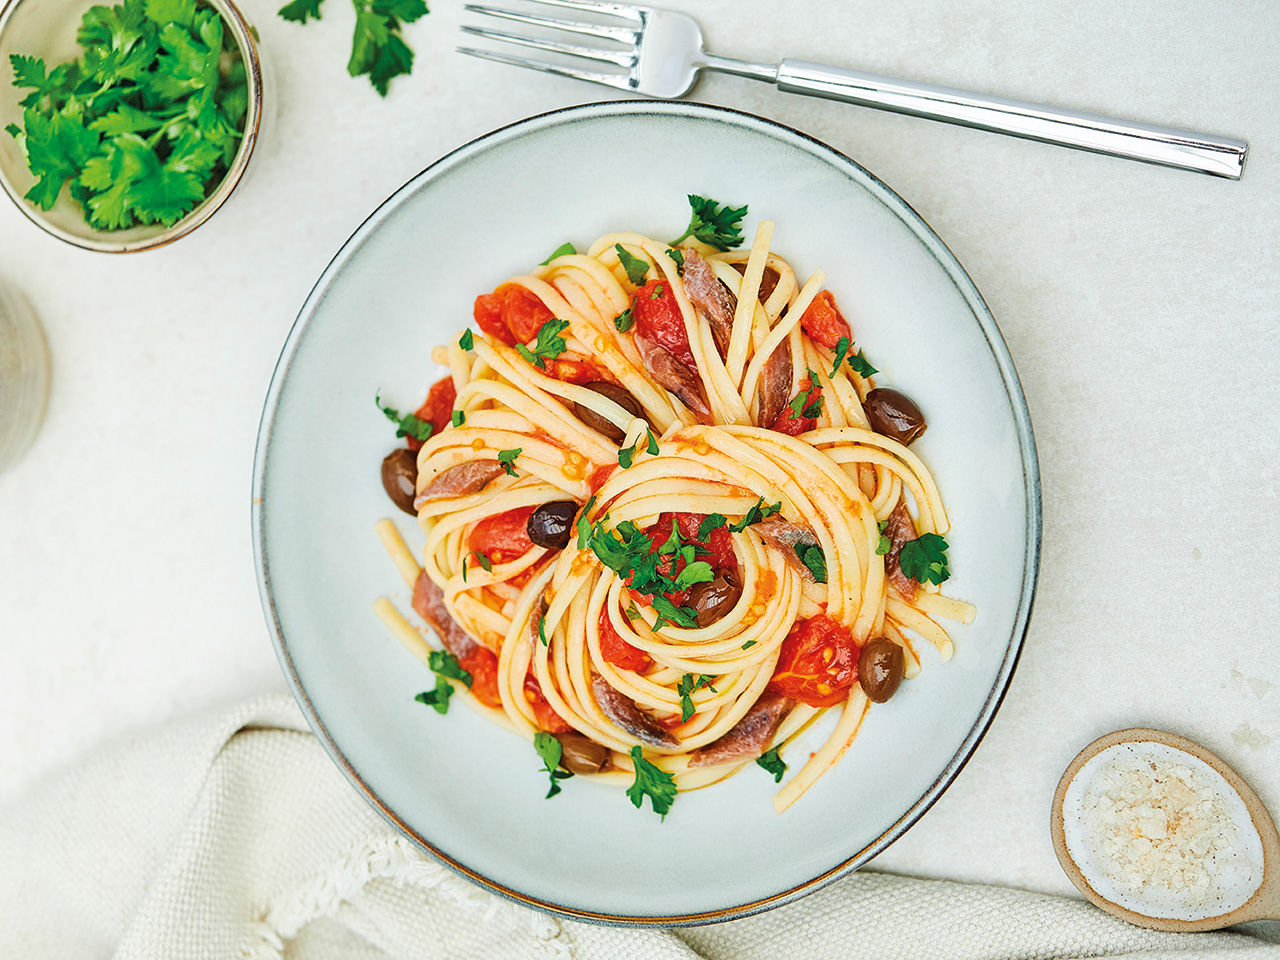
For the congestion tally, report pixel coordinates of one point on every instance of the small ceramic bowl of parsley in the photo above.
(125, 127)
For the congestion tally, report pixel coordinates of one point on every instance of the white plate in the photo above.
(472, 794)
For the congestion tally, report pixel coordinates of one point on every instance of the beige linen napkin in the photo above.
(233, 836)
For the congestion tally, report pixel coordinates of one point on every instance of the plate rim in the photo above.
(1009, 379)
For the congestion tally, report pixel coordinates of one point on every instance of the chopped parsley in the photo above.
(748, 645)
(550, 752)
(457, 418)
(808, 402)
(542, 629)
(712, 521)
(652, 782)
(883, 545)
(437, 699)
(689, 685)
(407, 425)
(771, 762)
(629, 552)
(584, 525)
(561, 251)
(467, 340)
(446, 664)
(376, 45)
(484, 561)
(627, 455)
(636, 268)
(508, 458)
(547, 345)
(658, 292)
(759, 512)
(144, 123)
(678, 256)
(815, 560)
(624, 321)
(858, 362)
(925, 559)
(715, 225)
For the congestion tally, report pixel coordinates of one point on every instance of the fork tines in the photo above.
(625, 37)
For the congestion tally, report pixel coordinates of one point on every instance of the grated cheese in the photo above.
(1160, 832)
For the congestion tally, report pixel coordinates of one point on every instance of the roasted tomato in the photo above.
(482, 664)
(567, 370)
(788, 423)
(437, 409)
(818, 663)
(547, 719)
(510, 314)
(617, 651)
(659, 320)
(503, 537)
(823, 321)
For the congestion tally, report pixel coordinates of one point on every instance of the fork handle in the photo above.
(1185, 149)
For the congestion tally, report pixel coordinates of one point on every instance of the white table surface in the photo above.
(1141, 305)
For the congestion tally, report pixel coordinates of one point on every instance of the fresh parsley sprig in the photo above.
(407, 424)
(771, 762)
(507, 460)
(438, 698)
(550, 752)
(636, 268)
(715, 225)
(547, 345)
(813, 558)
(652, 782)
(925, 559)
(145, 123)
(377, 48)
(689, 685)
(446, 667)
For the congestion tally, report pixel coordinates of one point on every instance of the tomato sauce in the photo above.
(504, 536)
(617, 651)
(823, 322)
(543, 713)
(437, 409)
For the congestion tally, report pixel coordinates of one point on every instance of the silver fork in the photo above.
(658, 53)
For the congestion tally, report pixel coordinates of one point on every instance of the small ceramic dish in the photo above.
(464, 789)
(47, 29)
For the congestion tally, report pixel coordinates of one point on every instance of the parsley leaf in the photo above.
(677, 255)
(699, 571)
(711, 521)
(508, 458)
(584, 525)
(658, 292)
(299, 10)
(467, 341)
(862, 366)
(377, 48)
(458, 418)
(626, 455)
(446, 664)
(561, 251)
(407, 425)
(437, 699)
(484, 561)
(652, 782)
(883, 545)
(748, 645)
(542, 630)
(814, 559)
(925, 559)
(635, 267)
(714, 225)
(548, 344)
(624, 321)
(550, 751)
(685, 688)
(808, 402)
(771, 762)
(667, 611)
(760, 511)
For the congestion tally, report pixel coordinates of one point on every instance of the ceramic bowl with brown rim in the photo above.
(47, 29)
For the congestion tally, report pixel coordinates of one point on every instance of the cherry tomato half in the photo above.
(567, 370)
(503, 537)
(617, 651)
(818, 663)
(510, 314)
(823, 322)
(437, 409)
(659, 320)
(788, 423)
(546, 717)
(482, 664)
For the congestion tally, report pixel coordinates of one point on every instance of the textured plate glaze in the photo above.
(472, 794)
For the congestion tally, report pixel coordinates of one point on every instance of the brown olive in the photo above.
(579, 754)
(598, 423)
(713, 599)
(880, 666)
(400, 477)
(552, 523)
(894, 415)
